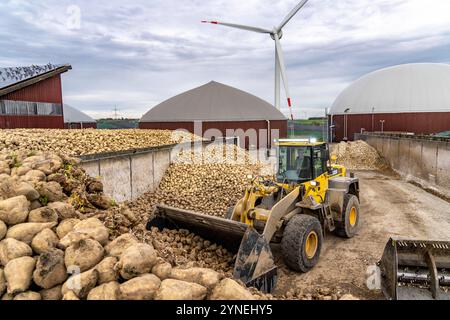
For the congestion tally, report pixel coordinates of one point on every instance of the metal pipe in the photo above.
(345, 127)
(373, 119)
(331, 128)
(382, 125)
(422, 276)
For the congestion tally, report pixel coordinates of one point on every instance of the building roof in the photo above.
(213, 102)
(421, 87)
(72, 115)
(16, 78)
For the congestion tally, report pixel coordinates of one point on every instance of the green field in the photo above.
(311, 128)
(117, 123)
(310, 122)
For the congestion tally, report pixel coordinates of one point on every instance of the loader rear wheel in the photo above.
(348, 227)
(302, 242)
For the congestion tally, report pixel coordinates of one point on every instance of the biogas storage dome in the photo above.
(219, 108)
(213, 102)
(413, 98)
(423, 87)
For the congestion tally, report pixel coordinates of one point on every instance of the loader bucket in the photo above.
(227, 233)
(415, 270)
(254, 263)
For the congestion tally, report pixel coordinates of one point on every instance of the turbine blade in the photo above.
(292, 14)
(239, 26)
(283, 73)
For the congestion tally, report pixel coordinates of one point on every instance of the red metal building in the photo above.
(31, 97)
(411, 98)
(214, 110)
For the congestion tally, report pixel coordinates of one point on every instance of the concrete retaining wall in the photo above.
(128, 175)
(424, 158)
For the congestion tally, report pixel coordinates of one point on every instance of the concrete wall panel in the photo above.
(92, 168)
(126, 176)
(116, 178)
(161, 163)
(142, 174)
(425, 158)
(372, 141)
(415, 159)
(429, 160)
(390, 152)
(403, 156)
(443, 166)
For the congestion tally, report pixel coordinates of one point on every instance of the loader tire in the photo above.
(302, 242)
(348, 227)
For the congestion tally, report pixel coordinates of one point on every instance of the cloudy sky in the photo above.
(135, 54)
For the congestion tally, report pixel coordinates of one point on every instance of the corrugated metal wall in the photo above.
(49, 90)
(27, 122)
(418, 123)
(222, 126)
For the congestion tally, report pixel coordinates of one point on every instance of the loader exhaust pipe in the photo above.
(415, 270)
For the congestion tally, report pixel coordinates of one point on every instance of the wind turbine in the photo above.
(276, 34)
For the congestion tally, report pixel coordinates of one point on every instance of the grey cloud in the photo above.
(136, 54)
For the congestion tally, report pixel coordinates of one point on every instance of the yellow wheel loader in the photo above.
(309, 197)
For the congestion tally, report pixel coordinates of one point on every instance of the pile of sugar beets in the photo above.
(53, 247)
(88, 141)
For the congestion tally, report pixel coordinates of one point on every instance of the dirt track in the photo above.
(389, 207)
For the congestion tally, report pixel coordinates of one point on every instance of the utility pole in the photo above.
(115, 112)
(373, 119)
(382, 125)
(346, 124)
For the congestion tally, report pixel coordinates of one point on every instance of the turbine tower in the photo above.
(276, 34)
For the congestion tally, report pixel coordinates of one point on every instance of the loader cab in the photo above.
(300, 161)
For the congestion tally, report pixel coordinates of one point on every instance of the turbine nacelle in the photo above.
(275, 31)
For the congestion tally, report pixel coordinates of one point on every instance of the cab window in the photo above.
(320, 161)
(295, 164)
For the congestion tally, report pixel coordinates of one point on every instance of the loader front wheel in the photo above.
(302, 242)
(348, 227)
